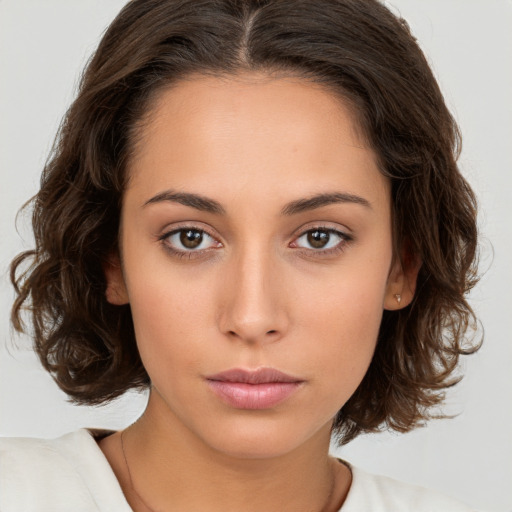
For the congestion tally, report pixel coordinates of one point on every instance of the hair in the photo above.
(356, 48)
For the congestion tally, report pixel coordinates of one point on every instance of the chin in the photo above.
(261, 439)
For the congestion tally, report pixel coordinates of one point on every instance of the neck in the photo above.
(168, 468)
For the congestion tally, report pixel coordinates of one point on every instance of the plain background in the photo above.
(44, 45)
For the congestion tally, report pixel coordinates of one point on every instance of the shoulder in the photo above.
(67, 473)
(378, 493)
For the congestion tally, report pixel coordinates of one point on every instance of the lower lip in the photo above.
(253, 396)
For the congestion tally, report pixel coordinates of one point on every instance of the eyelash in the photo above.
(190, 254)
(338, 248)
(184, 254)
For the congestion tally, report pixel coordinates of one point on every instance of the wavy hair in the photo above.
(358, 49)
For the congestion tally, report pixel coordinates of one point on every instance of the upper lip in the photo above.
(258, 376)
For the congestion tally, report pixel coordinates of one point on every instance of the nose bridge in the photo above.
(253, 309)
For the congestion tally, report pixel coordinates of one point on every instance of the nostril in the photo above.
(271, 332)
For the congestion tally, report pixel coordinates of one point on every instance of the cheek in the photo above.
(170, 311)
(346, 330)
(348, 349)
(342, 314)
(349, 298)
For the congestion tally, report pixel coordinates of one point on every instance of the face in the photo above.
(257, 259)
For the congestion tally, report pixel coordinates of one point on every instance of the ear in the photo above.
(402, 279)
(116, 292)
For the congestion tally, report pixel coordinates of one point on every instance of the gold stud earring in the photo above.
(398, 298)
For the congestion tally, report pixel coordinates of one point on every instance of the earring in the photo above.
(398, 298)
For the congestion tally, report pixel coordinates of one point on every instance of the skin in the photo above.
(255, 294)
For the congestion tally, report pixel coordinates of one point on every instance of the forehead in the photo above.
(194, 105)
(255, 134)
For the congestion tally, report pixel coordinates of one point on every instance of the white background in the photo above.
(43, 46)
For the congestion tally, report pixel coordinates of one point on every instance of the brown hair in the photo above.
(356, 47)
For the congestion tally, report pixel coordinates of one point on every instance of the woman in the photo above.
(254, 209)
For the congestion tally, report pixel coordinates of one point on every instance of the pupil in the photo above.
(191, 239)
(318, 239)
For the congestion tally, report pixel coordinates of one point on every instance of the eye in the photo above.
(320, 239)
(189, 240)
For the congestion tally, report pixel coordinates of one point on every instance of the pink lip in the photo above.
(253, 389)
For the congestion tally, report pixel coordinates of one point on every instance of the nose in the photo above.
(254, 299)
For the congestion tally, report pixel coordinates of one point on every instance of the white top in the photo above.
(71, 474)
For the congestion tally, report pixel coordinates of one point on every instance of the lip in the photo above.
(253, 389)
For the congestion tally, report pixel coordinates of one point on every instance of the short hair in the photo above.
(356, 48)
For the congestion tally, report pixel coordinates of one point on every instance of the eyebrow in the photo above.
(206, 204)
(319, 200)
(196, 201)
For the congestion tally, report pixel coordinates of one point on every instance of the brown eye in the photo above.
(191, 238)
(318, 239)
(321, 240)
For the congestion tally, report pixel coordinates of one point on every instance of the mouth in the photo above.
(263, 388)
